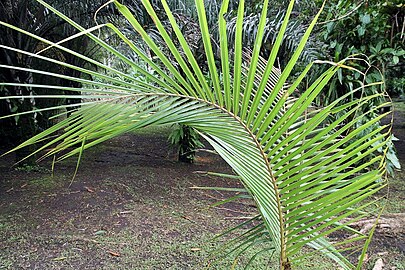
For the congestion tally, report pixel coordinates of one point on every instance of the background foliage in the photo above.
(372, 30)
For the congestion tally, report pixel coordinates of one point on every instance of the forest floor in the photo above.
(131, 206)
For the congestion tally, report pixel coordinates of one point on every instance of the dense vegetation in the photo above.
(373, 29)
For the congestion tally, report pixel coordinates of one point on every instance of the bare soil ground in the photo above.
(131, 207)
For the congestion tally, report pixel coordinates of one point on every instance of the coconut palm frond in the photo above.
(295, 164)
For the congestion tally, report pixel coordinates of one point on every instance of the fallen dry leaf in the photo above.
(115, 254)
(89, 189)
(379, 264)
(186, 217)
(59, 258)
(100, 232)
(126, 212)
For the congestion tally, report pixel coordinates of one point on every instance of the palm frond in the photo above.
(294, 164)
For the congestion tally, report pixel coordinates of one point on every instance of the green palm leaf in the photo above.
(294, 163)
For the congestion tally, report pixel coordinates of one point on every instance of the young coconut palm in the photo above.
(295, 165)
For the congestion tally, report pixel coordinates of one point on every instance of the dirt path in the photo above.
(130, 207)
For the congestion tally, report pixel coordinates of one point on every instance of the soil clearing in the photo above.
(131, 206)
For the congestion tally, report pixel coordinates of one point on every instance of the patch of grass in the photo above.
(31, 168)
(399, 105)
(396, 191)
(45, 183)
(155, 130)
(13, 234)
(119, 187)
(391, 258)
